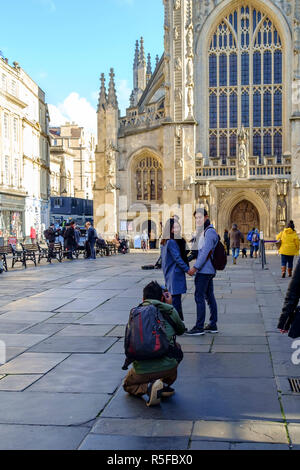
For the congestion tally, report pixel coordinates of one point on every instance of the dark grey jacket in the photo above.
(291, 301)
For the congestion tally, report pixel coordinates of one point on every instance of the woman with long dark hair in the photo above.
(174, 262)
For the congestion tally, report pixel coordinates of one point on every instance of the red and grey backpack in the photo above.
(145, 336)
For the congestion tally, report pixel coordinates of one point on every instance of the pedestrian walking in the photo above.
(33, 235)
(145, 240)
(255, 243)
(249, 238)
(236, 237)
(289, 248)
(91, 239)
(290, 316)
(205, 273)
(174, 262)
(227, 241)
(70, 242)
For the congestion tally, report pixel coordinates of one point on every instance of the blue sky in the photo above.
(64, 45)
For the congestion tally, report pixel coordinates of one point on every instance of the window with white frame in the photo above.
(14, 87)
(3, 82)
(245, 84)
(6, 170)
(5, 126)
(16, 172)
(15, 130)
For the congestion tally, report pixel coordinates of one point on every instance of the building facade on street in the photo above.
(72, 162)
(216, 123)
(24, 154)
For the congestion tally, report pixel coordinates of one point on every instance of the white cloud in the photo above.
(123, 94)
(74, 109)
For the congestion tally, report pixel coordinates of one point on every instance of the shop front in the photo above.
(11, 217)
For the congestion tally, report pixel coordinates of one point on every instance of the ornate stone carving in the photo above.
(110, 156)
(178, 94)
(265, 195)
(223, 193)
(178, 134)
(243, 153)
(178, 64)
(177, 4)
(176, 33)
(189, 63)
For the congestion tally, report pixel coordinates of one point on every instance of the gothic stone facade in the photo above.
(217, 123)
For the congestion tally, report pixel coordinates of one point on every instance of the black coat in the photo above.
(291, 301)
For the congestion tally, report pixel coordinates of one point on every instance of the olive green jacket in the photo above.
(163, 363)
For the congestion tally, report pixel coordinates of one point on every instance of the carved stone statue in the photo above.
(110, 160)
(281, 210)
(243, 152)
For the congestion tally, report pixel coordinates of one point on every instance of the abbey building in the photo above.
(216, 123)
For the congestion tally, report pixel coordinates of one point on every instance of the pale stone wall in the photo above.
(24, 147)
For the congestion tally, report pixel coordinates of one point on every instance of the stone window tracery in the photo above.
(246, 84)
(148, 176)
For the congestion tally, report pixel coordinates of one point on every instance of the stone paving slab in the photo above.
(239, 340)
(36, 305)
(65, 318)
(294, 432)
(86, 330)
(258, 446)
(32, 363)
(227, 365)
(12, 352)
(12, 328)
(201, 445)
(106, 317)
(242, 348)
(24, 437)
(240, 431)
(53, 409)
(231, 398)
(291, 406)
(24, 317)
(84, 373)
(47, 329)
(21, 340)
(75, 344)
(142, 427)
(96, 442)
(18, 383)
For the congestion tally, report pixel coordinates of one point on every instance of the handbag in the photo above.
(295, 327)
(278, 243)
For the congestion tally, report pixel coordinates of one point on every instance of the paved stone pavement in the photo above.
(61, 385)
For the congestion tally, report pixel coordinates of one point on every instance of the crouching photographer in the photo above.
(150, 344)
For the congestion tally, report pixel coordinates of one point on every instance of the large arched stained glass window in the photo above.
(148, 175)
(245, 85)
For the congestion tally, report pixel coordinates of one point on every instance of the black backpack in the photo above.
(218, 257)
(145, 336)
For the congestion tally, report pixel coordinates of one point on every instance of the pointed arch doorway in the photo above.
(246, 216)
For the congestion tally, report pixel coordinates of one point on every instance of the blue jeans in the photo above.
(205, 291)
(287, 260)
(176, 302)
(251, 251)
(235, 253)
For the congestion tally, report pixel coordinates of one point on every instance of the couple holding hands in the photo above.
(175, 265)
